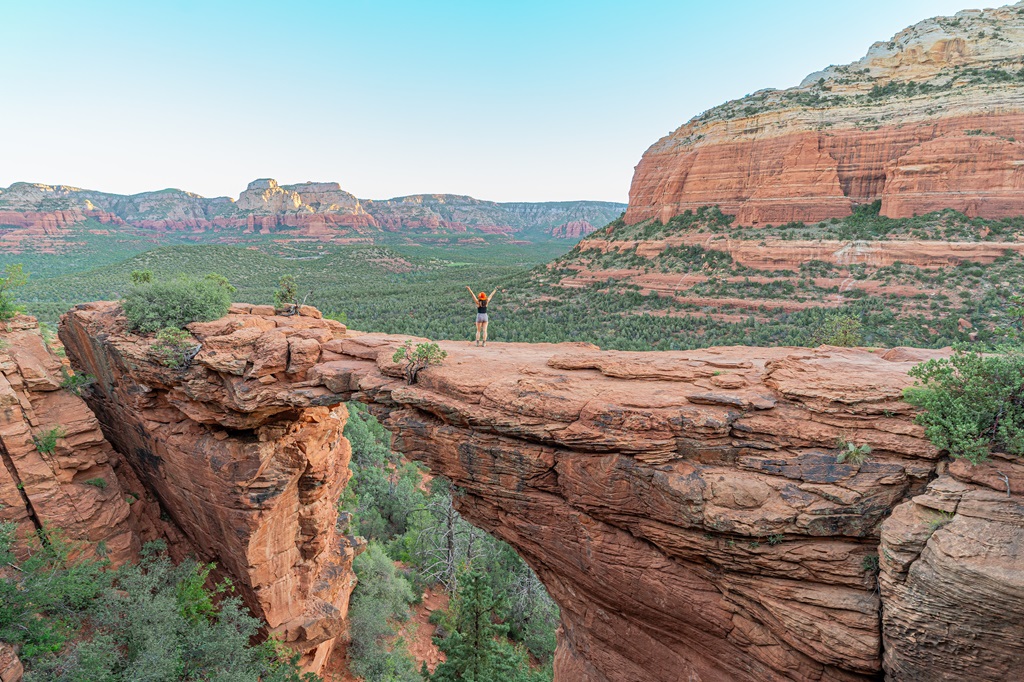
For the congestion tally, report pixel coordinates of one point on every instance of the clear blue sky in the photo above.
(527, 100)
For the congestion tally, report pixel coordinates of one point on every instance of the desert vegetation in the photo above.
(419, 541)
(12, 277)
(152, 305)
(74, 619)
(972, 403)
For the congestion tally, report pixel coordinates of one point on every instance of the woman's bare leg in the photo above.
(484, 325)
(479, 328)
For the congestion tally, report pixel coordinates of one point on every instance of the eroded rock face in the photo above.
(952, 563)
(68, 481)
(244, 453)
(925, 121)
(686, 510)
(11, 669)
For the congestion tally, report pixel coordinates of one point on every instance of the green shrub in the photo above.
(142, 277)
(13, 276)
(173, 348)
(839, 329)
(76, 382)
(100, 483)
(381, 597)
(46, 442)
(972, 403)
(847, 452)
(940, 519)
(156, 621)
(424, 354)
(151, 306)
(47, 594)
(287, 293)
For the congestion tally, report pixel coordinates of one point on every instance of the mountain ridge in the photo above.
(317, 209)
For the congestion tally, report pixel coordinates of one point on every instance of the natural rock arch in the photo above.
(685, 509)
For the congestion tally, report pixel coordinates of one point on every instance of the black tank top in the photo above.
(481, 308)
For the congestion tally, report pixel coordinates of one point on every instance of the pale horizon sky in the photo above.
(526, 101)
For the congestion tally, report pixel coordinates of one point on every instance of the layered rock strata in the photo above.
(57, 471)
(928, 120)
(245, 453)
(779, 254)
(952, 563)
(686, 510)
(11, 669)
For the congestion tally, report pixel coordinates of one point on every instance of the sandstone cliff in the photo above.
(953, 571)
(58, 471)
(928, 120)
(686, 510)
(244, 452)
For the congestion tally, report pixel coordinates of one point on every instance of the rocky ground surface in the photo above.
(932, 119)
(686, 510)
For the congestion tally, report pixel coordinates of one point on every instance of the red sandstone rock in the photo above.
(251, 470)
(978, 175)
(809, 153)
(11, 669)
(50, 489)
(320, 210)
(953, 572)
(574, 229)
(779, 254)
(806, 188)
(685, 509)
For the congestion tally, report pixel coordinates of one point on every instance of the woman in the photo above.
(480, 301)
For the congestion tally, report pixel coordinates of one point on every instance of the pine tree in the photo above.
(477, 648)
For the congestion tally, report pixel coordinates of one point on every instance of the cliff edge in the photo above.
(687, 510)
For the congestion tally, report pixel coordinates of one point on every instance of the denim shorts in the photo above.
(481, 317)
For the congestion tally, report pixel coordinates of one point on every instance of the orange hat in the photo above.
(482, 295)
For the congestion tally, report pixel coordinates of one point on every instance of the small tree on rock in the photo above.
(287, 294)
(840, 329)
(416, 359)
(174, 348)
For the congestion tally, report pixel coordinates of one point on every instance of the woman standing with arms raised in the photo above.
(480, 301)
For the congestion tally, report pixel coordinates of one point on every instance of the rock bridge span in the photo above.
(685, 509)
